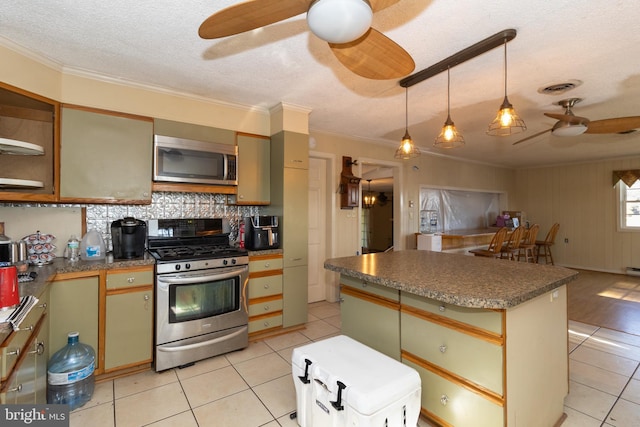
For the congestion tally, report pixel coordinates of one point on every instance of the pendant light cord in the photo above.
(505, 68)
(406, 108)
(448, 91)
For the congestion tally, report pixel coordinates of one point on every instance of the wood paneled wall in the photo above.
(581, 198)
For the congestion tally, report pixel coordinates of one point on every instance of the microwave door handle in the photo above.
(225, 167)
(185, 280)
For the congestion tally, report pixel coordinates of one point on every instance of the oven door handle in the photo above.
(189, 279)
(203, 343)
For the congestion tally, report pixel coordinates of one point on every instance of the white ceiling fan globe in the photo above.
(339, 21)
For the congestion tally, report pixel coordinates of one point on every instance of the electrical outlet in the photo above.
(566, 240)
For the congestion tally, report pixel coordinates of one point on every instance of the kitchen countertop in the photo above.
(46, 274)
(265, 252)
(474, 282)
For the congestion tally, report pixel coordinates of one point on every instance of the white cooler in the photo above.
(341, 382)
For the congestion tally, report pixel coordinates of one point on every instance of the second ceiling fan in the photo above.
(571, 125)
(344, 24)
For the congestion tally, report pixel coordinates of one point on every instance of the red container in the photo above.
(9, 293)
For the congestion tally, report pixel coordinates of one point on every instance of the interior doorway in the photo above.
(377, 218)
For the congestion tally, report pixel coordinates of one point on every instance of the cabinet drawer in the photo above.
(371, 288)
(455, 404)
(267, 264)
(128, 279)
(265, 286)
(14, 344)
(265, 323)
(450, 349)
(265, 307)
(489, 320)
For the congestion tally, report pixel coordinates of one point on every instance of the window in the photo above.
(629, 207)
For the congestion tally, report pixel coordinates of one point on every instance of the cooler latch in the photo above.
(305, 379)
(338, 403)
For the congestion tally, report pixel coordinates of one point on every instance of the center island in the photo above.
(488, 337)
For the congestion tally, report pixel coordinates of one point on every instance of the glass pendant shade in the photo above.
(507, 121)
(369, 199)
(449, 136)
(407, 148)
(339, 21)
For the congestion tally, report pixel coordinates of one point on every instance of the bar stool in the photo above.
(493, 251)
(545, 245)
(528, 246)
(512, 247)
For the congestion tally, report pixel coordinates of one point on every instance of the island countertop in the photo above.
(474, 282)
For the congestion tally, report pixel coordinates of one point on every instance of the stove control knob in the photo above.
(225, 262)
(187, 266)
(177, 266)
(233, 261)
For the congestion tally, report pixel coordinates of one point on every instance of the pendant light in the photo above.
(507, 122)
(369, 199)
(407, 148)
(449, 136)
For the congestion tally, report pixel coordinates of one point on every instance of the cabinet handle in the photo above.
(444, 399)
(266, 323)
(340, 300)
(364, 284)
(266, 308)
(146, 297)
(267, 265)
(43, 306)
(442, 308)
(443, 348)
(15, 389)
(39, 349)
(28, 328)
(296, 259)
(266, 286)
(131, 279)
(15, 352)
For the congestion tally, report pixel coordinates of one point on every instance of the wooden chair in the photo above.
(512, 247)
(545, 245)
(493, 251)
(528, 245)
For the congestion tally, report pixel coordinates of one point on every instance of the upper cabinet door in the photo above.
(254, 170)
(105, 157)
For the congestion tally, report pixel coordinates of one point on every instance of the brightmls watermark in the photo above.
(34, 415)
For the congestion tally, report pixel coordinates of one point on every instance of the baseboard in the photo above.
(633, 271)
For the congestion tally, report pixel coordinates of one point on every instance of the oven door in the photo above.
(190, 304)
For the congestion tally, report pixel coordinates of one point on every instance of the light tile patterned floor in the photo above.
(253, 387)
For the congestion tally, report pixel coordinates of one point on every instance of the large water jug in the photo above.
(70, 375)
(92, 246)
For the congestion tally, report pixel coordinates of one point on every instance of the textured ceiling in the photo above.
(156, 43)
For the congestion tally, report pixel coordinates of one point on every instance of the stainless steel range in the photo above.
(201, 291)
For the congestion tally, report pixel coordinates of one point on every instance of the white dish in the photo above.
(13, 146)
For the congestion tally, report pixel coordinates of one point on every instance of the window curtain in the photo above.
(629, 177)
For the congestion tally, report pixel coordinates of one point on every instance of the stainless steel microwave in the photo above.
(196, 162)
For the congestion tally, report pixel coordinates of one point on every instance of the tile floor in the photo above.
(253, 387)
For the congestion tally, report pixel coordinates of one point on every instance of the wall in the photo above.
(582, 199)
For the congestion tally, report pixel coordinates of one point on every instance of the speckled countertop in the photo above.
(266, 252)
(461, 280)
(46, 274)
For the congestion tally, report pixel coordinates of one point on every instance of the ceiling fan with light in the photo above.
(344, 24)
(571, 125)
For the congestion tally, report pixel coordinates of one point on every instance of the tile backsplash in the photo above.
(163, 205)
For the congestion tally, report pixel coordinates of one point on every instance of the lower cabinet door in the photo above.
(454, 404)
(129, 329)
(264, 323)
(372, 324)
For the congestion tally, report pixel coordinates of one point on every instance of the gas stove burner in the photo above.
(181, 253)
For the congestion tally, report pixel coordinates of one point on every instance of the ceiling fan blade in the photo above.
(568, 118)
(531, 137)
(616, 125)
(250, 15)
(374, 56)
(377, 5)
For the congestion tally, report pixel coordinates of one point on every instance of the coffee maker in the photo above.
(128, 236)
(262, 232)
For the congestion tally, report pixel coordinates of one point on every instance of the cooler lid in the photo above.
(373, 380)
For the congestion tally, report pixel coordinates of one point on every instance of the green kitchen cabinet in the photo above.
(129, 329)
(370, 313)
(294, 295)
(295, 217)
(254, 170)
(129, 318)
(74, 304)
(105, 157)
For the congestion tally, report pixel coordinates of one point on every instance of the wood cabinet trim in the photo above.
(266, 315)
(108, 112)
(268, 298)
(264, 257)
(129, 290)
(193, 188)
(454, 378)
(137, 268)
(75, 275)
(23, 354)
(251, 135)
(372, 298)
(456, 325)
(266, 273)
